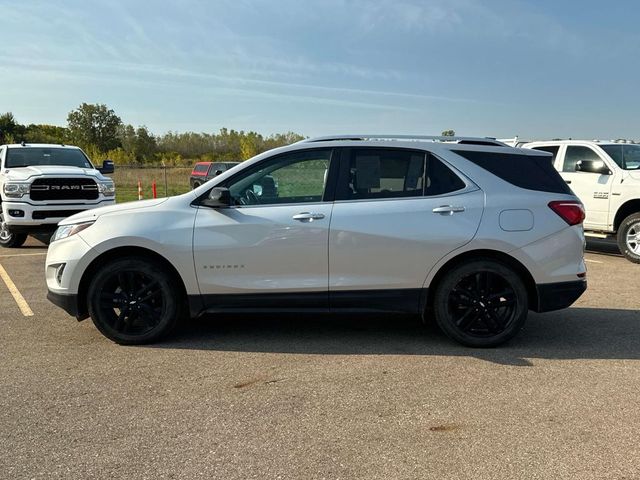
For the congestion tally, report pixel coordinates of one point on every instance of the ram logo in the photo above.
(65, 187)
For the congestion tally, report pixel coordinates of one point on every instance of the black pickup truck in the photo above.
(203, 171)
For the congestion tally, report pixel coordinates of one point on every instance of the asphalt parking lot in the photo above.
(317, 398)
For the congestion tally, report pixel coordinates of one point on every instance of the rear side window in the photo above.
(394, 173)
(576, 153)
(553, 150)
(533, 172)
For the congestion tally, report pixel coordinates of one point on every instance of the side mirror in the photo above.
(217, 172)
(219, 197)
(593, 166)
(107, 167)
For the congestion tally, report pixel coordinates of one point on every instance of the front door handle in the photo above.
(308, 216)
(448, 209)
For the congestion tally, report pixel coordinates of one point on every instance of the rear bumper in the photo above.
(555, 296)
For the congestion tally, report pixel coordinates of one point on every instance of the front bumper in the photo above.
(69, 303)
(33, 216)
(556, 296)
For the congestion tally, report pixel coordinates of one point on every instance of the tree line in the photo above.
(100, 132)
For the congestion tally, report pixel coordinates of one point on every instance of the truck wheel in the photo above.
(195, 185)
(481, 303)
(8, 239)
(629, 237)
(133, 301)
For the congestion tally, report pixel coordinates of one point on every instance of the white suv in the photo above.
(606, 178)
(470, 230)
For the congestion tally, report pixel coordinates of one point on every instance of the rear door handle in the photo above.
(448, 209)
(308, 216)
(568, 181)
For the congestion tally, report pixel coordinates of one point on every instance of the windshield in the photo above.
(625, 155)
(34, 156)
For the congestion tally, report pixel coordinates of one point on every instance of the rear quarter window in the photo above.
(533, 172)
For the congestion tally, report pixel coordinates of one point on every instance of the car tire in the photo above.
(481, 303)
(629, 238)
(134, 301)
(8, 239)
(195, 185)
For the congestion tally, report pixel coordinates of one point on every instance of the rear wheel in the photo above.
(482, 303)
(134, 301)
(8, 239)
(196, 185)
(629, 238)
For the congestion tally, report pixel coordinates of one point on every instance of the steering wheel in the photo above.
(250, 198)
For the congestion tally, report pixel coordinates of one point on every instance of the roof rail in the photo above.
(416, 138)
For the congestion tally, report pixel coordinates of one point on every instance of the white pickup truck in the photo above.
(606, 178)
(40, 184)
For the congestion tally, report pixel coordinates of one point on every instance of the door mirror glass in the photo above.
(592, 166)
(219, 197)
(107, 167)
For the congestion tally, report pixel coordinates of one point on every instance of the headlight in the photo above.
(108, 189)
(65, 231)
(16, 189)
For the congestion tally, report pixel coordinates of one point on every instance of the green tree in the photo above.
(10, 129)
(95, 124)
(46, 134)
(449, 133)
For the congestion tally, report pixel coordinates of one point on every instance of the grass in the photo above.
(126, 180)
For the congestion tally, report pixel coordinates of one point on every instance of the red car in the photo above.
(203, 171)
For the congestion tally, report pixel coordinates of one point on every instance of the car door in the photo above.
(397, 212)
(593, 189)
(273, 240)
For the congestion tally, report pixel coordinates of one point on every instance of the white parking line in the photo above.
(17, 296)
(22, 254)
(592, 261)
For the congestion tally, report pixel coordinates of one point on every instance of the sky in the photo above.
(501, 68)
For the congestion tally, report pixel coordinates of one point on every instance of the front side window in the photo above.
(35, 156)
(391, 173)
(299, 177)
(575, 154)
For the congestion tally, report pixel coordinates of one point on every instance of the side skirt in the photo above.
(399, 301)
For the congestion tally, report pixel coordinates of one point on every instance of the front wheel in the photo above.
(134, 301)
(482, 303)
(629, 238)
(8, 239)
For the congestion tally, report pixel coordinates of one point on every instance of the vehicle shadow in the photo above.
(575, 333)
(603, 246)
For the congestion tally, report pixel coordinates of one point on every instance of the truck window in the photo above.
(576, 153)
(552, 149)
(625, 156)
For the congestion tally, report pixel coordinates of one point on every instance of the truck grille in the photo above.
(64, 189)
(42, 214)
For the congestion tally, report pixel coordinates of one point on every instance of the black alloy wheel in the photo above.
(481, 304)
(134, 301)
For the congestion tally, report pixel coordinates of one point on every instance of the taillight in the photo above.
(570, 212)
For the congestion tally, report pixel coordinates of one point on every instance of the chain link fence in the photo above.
(169, 181)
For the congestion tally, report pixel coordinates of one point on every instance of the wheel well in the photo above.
(626, 209)
(116, 253)
(529, 282)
